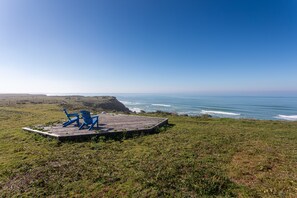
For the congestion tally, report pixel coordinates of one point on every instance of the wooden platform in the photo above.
(109, 125)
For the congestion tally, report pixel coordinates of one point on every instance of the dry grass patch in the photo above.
(260, 166)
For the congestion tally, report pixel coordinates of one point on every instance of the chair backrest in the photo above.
(87, 117)
(66, 113)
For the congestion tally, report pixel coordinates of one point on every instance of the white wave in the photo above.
(135, 109)
(161, 105)
(129, 103)
(189, 112)
(219, 112)
(287, 117)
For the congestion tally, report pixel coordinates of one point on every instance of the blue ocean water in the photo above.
(255, 107)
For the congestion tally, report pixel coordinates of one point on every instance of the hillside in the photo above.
(95, 103)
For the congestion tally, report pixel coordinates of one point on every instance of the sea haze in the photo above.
(255, 107)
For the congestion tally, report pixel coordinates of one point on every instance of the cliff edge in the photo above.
(75, 102)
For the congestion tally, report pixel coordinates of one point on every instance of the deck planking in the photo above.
(109, 125)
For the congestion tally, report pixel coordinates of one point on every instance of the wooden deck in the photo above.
(109, 125)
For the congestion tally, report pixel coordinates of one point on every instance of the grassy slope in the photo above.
(195, 157)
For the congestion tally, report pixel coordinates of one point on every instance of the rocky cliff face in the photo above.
(95, 103)
(106, 103)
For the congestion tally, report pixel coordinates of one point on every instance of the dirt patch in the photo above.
(249, 167)
(19, 182)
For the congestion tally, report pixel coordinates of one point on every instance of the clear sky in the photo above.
(118, 46)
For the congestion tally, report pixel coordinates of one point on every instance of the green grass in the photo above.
(196, 157)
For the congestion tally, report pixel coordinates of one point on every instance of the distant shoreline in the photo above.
(257, 107)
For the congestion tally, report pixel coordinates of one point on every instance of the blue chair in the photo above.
(89, 120)
(72, 117)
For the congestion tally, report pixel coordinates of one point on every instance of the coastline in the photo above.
(259, 108)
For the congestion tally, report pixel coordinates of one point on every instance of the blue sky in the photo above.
(117, 46)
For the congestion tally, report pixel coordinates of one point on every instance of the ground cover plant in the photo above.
(193, 157)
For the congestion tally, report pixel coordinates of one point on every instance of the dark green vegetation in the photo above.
(195, 157)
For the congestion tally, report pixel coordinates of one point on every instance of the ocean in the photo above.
(252, 107)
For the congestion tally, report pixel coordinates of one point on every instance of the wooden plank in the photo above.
(40, 132)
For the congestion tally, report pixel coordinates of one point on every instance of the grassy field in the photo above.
(194, 157)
